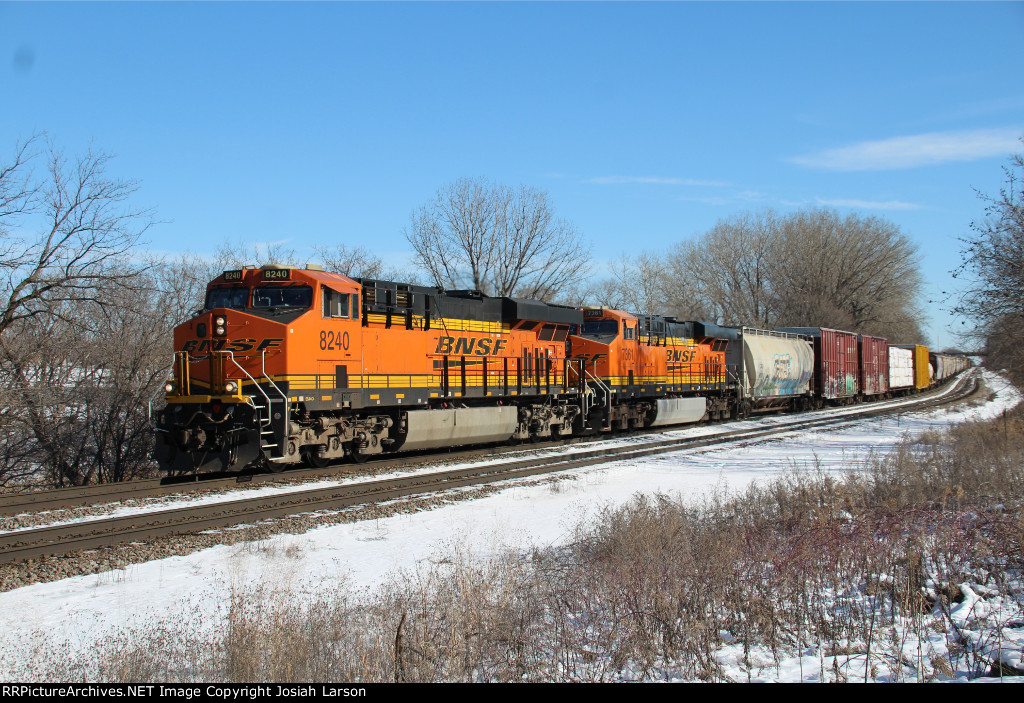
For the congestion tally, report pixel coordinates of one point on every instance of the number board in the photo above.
(276, 274)
(232, 275)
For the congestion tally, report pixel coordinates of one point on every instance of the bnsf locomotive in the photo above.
(287, 365)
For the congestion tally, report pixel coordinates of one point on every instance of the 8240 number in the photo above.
(330, 340)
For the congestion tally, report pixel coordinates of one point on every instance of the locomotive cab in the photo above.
(230, 391)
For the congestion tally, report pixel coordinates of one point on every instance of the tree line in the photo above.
(765, 269)
(86, 317)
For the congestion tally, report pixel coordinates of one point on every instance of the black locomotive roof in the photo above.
(388, 296)
(523, 309)
(708, 329)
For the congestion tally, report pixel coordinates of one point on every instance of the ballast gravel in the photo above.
(96, 561)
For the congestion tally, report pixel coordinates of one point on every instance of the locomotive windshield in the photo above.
(236, 298)
(282, 297)
(600, 328)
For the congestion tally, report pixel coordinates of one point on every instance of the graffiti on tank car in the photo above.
(200, 346)
(782, 366)
(470, 346)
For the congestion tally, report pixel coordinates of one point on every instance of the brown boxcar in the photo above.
(874, 365)
(836, 362)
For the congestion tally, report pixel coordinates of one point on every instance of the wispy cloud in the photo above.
(616, 180)
(918, 150)
(869, 204)
(711, 200)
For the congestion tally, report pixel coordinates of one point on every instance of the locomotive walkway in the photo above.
(67, 539)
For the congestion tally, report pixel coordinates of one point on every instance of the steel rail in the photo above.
(66, 539)
(55, 499)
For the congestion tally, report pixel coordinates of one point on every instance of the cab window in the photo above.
(282, 297)
(236, 297)
(336, 304)
(600, 328)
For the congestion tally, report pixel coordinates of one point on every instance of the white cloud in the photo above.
(615, 180)
(918, 150)
(707, 200)
(869, 204)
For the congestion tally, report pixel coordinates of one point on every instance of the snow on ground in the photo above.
(198, 587)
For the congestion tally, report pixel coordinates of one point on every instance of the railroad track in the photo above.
(65, 539)
(19, 503)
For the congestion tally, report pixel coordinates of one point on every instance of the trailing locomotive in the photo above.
(287, 365)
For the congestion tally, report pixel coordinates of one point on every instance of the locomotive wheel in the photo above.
(356, 456)
(314, 458)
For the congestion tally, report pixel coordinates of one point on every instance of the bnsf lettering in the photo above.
(681, 355)
(469, 346)
(241, 344)
(200, 346)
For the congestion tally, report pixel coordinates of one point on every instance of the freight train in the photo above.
(287, 366)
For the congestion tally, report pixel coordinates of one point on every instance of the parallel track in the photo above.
(67, 539)
(39, 501)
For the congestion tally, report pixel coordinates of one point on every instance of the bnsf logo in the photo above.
(469, 346)
(681, 355)
(238, 345)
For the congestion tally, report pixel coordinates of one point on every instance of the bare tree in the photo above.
(63, 233)
(360, 262)
(993, 267)
(235, 255)
(811, 267)
(724, 275)
(77, 383)
(994, 254)
(857, 272)
(640, 283)
(66, 237)
(499, 240)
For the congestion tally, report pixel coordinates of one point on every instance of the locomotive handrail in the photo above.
(149, 407)
(231, 355)
(279, 391)
(601, 384)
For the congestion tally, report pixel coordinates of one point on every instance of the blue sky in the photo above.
(646, 122)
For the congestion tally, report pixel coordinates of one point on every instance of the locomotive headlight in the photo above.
(230, 387)
(170, 387)
(220, 326)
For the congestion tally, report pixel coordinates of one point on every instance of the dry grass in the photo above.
(863, 572)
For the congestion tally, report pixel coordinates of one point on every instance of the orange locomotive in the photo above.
(647, 371)
(286, 365)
